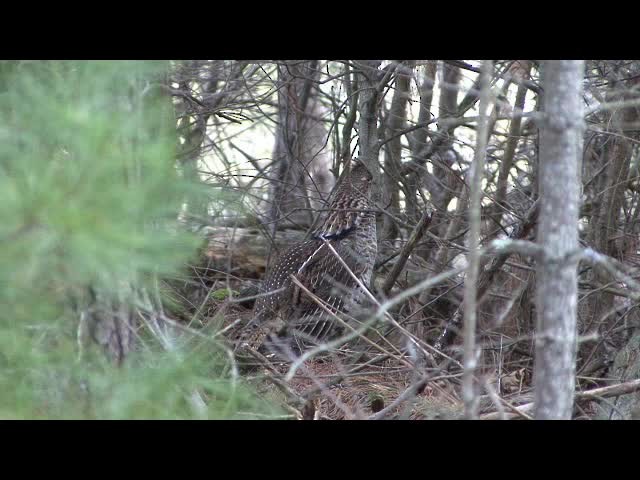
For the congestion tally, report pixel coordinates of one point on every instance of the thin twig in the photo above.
(470, 284)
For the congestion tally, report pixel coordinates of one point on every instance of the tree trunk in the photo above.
(557, 294)
(369, 76)
(393, 150)
(289, 196)
(608, 222)
(418, 140)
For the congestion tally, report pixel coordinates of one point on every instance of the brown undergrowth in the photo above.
(360, 383)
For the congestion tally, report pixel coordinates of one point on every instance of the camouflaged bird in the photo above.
(350, 228)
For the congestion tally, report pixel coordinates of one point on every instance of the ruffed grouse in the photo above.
(350, 228)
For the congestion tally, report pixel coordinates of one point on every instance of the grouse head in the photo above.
(360, 178)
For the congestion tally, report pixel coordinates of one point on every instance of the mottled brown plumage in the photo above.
(350, 227)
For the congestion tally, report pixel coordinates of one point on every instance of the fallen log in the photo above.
(244, 251)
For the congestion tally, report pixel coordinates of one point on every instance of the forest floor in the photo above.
(354, 382)
(337, 385)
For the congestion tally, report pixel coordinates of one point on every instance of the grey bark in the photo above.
(607, 223)
(351, 87)
(443, 187)
(369, 98)
(418, 140)
(557, 288)
(470, 290)
(512, 143)
(445, 156)
(289, 196)
(393, 150)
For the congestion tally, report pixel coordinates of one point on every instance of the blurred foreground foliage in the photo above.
(90, 194)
